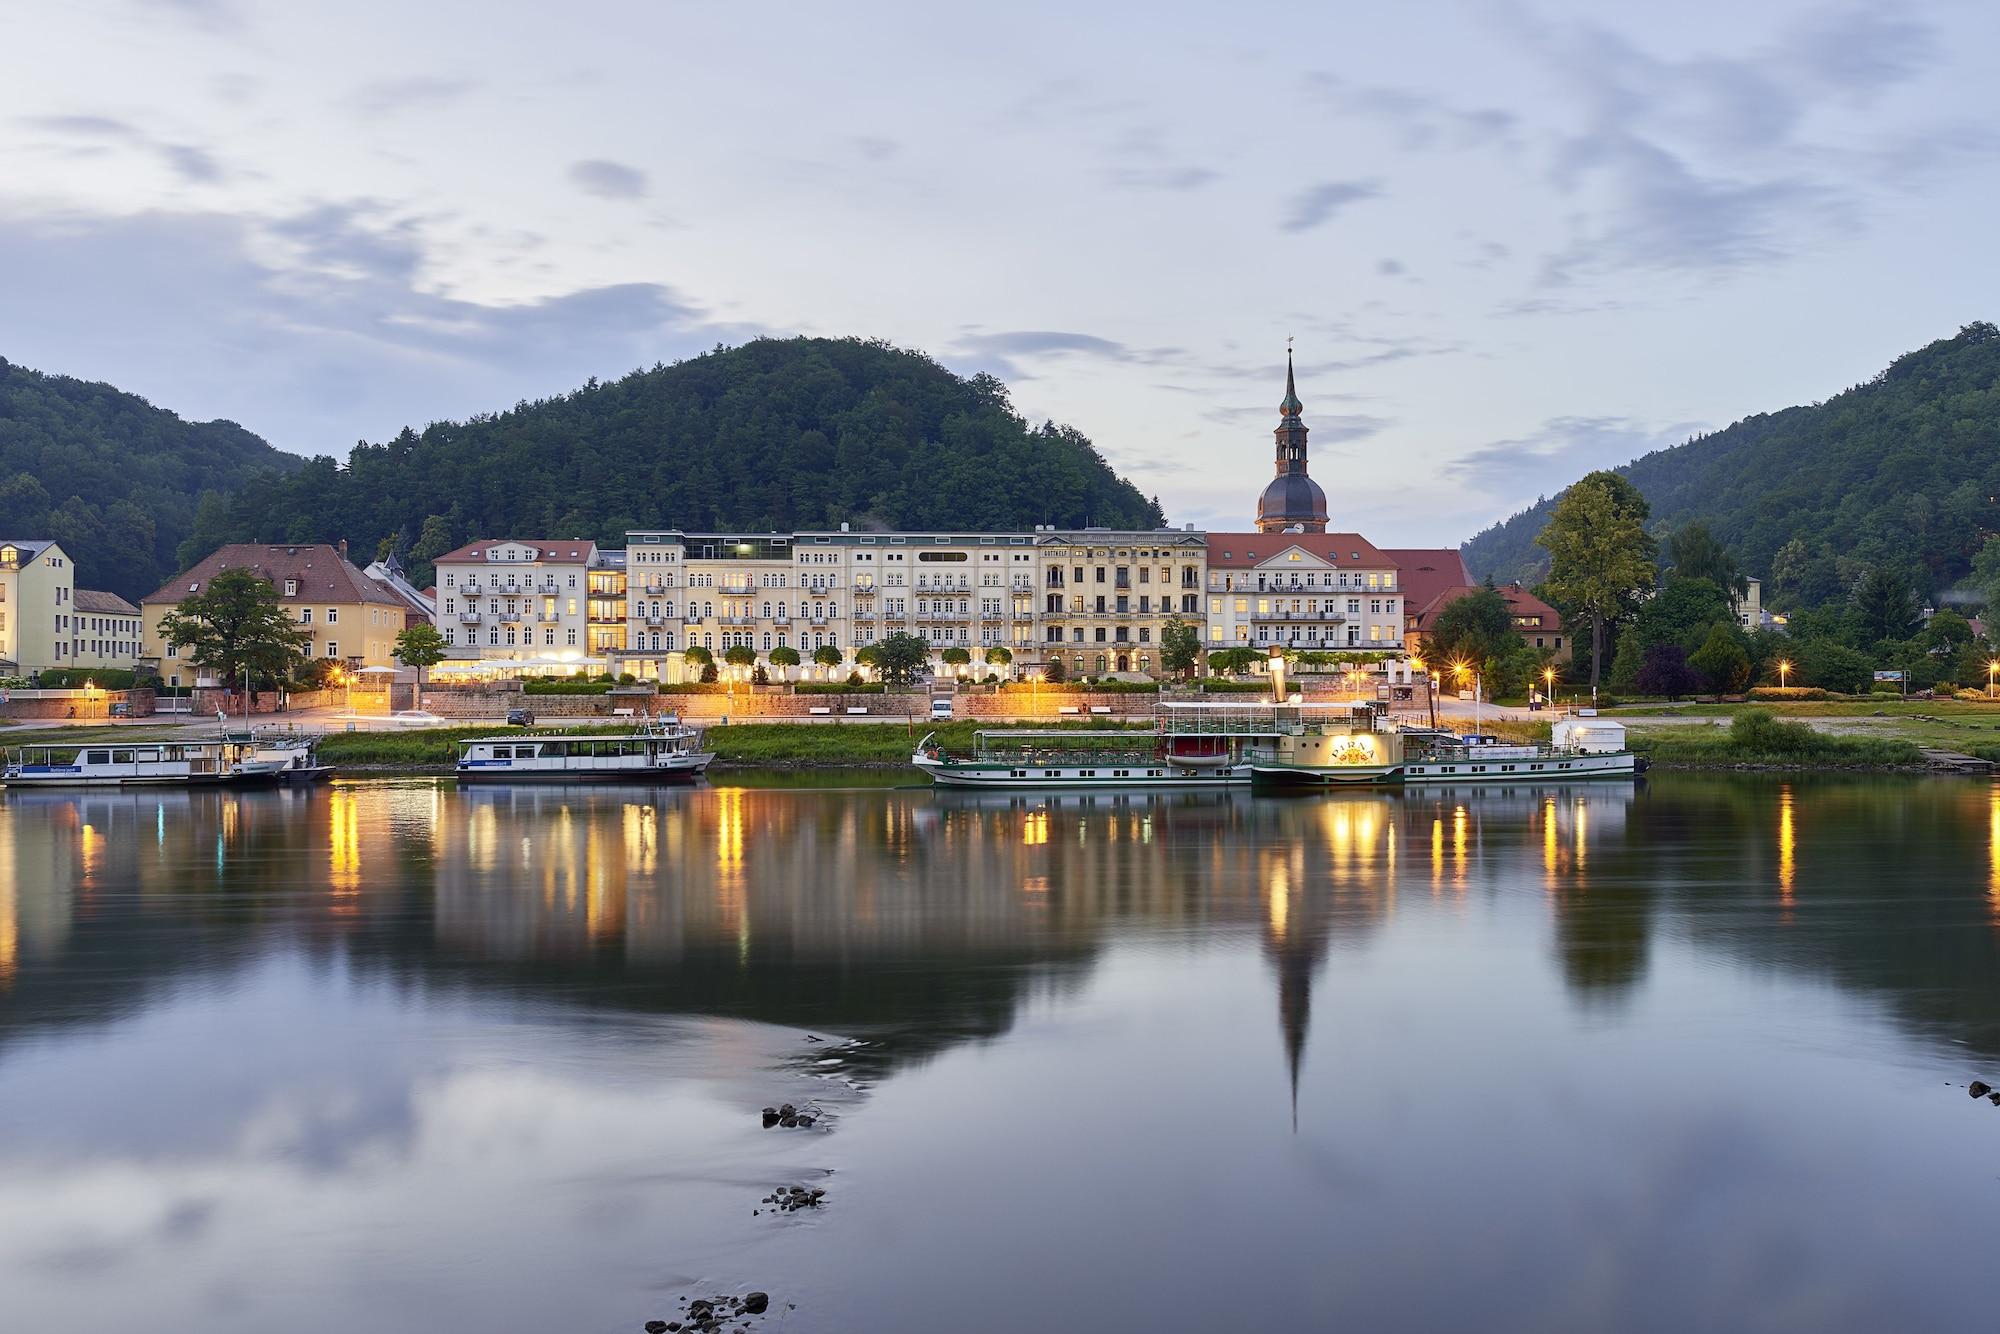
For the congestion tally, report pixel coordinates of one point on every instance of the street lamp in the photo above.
(1034, 694)
(1548, 685)
(1785, 669)
(1991, 668)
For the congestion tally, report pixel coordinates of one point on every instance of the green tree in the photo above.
(235, 625)
(900, 656)
(1600, 556)
(1056, 670)
(783, 656)
(1985, 574)
(1681, 613)
(1233, 661)
(868, 655)
(421, 647)
(1832, 665)
(999, 656)
(1887, 603)
(1721, 660)
(826, 655)
(1627, 662)
(1945, 640)
(1694, 553)
(955, 657)
(698, 655)
(739, 655)
(1475, 629)
(1180, 646)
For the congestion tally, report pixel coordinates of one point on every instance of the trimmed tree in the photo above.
(1180, 646)
(826, 655)
(901, 656)
(999, 656)
(697, 655)
(235, 625)
(739, 655)
(1233, 661)
(956, 657)
(785, 657)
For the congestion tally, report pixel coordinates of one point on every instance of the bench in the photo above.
(623, 713)
(819, 708)
(857, 708)
(1100, 708)
(1068, 708)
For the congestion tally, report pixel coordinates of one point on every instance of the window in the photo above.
(305, 615)
(332, 615)
(332, 649)
(291, 588)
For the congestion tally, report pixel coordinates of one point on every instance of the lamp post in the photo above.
(1991, 668)
(1034, 694)
(1549, 686)
(1785, 670)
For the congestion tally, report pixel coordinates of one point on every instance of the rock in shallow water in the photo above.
(756, 1302)
(1979, 1088)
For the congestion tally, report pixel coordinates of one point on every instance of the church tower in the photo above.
(1292, 500)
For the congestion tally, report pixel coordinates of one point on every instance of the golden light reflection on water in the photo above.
(1993, 852)
(10, 907)
(1582, 834)
(1458, 831)
(1280, 893)
(343, 842)
(1551, 847)
(1035, 829)
(91, 846)
(1437, 854)
(1787, 846)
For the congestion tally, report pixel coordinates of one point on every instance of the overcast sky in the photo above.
(1513, 241)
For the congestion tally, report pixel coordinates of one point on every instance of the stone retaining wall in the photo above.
(65, 704)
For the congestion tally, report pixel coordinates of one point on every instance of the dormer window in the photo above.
(291, 588)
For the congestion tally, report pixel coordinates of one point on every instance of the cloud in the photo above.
(1318, 204)
(1859, 50)
(1419, 121)
(1562, 450)
(312, 329)
(210, 15)
(1340, 427)
(1160, 178)
(1001, 353)
(383, 97)
(1390, 268)
(876, 149)
(608, 180)
(190, 162)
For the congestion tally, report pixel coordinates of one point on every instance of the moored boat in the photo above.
(224, 762)
(1363, 752)
(661, 752)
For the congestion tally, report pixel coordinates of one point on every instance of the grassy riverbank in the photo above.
(1756, 738)
(767, 745)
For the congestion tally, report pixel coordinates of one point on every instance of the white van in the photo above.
(941, 707)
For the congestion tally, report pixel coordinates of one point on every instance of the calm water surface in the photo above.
(390, 1056)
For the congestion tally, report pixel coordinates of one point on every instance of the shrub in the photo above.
(1782, 693)
(561, 687)
(839, 688)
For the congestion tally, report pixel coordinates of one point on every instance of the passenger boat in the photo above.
(661, 752)
(225, 762)
(1189, 745)
(293, 755)
(1364, 753)
(1273, 745)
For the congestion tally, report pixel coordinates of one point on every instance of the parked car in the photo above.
(941, 709)
(520, 718)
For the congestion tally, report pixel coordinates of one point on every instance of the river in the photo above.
(390, 1056)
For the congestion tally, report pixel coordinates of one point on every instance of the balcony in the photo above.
(863, 591)
(468, 618)
(656, 620)
(548, 617)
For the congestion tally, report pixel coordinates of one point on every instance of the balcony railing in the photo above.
(548, 617)
(469, 617)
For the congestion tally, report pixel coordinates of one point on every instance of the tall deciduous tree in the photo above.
(1693, 552)
(1600, 556)
(235, 625)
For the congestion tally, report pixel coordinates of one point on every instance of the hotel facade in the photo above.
(1097, 599)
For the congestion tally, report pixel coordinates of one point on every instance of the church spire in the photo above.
(1292, 499)
(1291, 407)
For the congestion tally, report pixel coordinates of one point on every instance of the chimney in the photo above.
(341, 546)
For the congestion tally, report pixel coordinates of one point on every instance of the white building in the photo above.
(518, 599)
(1309, 591)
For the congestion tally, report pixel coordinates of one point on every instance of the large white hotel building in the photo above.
(1097, 598)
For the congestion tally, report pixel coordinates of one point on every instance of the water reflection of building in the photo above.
(915, 911)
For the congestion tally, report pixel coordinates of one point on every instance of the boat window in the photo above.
(503, 752)
(121, 757)
(97, 757)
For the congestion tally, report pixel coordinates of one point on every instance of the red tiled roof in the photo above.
(319, 571)
(1519, 601)
(1244, 550)
(1424, 572)
(554, 550)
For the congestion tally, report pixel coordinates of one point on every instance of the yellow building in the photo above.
(104, 632)
(351, 618)
(37, 606)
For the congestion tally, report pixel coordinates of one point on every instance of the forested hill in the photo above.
(1901, 471)
(775, 434)
(114, 479)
